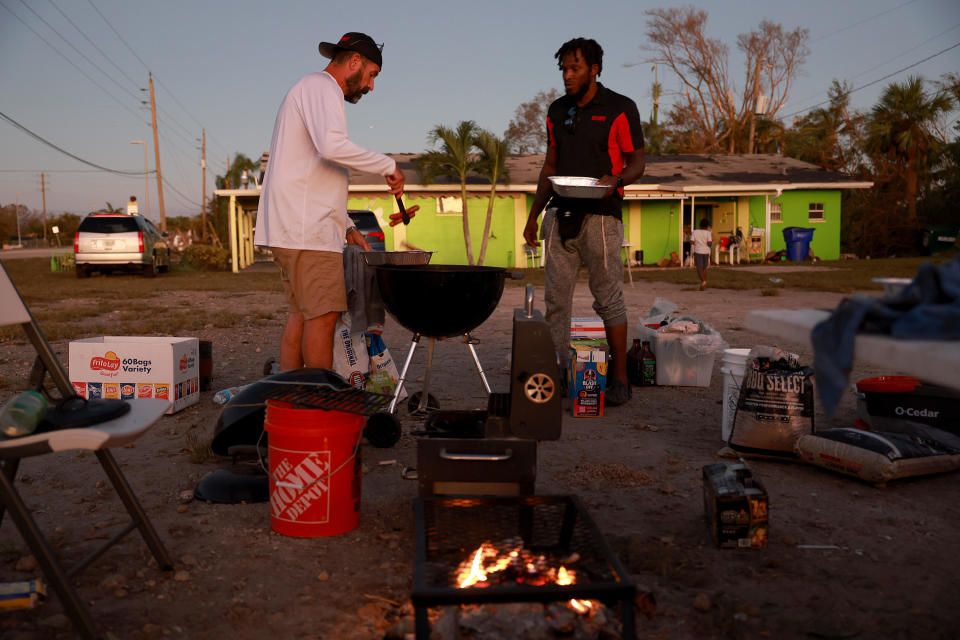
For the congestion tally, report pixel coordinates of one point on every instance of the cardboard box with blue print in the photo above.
(128, 367)
(587, 373)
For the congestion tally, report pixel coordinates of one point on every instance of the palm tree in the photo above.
(903, 131)
(492, 166)
(453, 160)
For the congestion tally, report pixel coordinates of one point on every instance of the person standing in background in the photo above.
(591, 131)
(702, 242)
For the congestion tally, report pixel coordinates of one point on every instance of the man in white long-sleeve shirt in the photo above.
(302, 216)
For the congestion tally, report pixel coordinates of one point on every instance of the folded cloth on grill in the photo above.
(928, 308)
(363, 296)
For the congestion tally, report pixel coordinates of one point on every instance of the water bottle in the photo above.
(21, 415)
(649, 365)
(223, 396)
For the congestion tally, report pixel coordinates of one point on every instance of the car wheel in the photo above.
(83, 271)
(150, 270)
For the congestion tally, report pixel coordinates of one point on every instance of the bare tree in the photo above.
(527, 132)
(711, 114)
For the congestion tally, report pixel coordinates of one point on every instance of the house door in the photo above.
(701, 212)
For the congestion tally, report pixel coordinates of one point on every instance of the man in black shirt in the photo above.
(594, 132)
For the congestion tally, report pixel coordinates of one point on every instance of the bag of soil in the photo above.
(775, 406)
(875, 456)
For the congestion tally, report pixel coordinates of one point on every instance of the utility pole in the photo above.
(656, 94)
(156, 150)
(753, 108)
(203, 166)
(16, 210)
(146, 176)
(43, 193)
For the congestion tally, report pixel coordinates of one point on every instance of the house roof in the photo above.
(689, 173)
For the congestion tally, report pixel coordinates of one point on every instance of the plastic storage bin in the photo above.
(798, 242)
(680, 364)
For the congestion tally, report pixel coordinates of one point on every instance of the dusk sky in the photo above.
(72, 73)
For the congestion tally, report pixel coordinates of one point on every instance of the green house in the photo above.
(760, 194)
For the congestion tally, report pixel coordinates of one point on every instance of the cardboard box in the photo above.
(587, 329)
(128, 367)
(736, 506)
(587, 377)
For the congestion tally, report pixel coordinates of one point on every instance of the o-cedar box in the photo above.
(127, 367)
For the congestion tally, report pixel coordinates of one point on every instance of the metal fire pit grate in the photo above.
(448, 530)
(328, 398)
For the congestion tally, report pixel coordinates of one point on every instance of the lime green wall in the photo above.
(658, 222)
(658, 229)
(443, 233)
(758, 213)
(794, 209)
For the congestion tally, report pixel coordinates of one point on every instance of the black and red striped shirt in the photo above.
(591, 141)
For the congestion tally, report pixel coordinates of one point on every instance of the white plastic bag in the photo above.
(350, 359)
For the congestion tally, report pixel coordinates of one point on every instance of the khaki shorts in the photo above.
(313, 281)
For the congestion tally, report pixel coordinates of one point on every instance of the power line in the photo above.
(886, 62)
(94, 44)
(869, 84)
(71, 62)
(159, 82)
(36, 136)
(119, 35)
(81, 53)
(864, 21)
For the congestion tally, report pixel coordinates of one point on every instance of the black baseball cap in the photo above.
(354, 41)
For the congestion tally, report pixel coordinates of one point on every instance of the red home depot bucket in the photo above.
(314, 470)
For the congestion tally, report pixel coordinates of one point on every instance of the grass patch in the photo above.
(68, 307)
(38, 284)
(198, 446)
(768, 293)
(839, 276)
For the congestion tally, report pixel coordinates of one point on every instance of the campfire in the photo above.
(512, 563)
(495, 567)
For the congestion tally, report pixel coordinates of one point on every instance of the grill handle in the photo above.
(477, 457)
(529, 301)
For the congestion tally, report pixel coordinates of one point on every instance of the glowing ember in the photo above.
(488, 566)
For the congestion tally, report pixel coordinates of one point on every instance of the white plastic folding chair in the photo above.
(99, 438)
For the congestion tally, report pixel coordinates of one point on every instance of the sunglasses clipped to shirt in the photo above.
(573, 119)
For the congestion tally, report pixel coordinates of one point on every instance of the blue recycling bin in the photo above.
(798, 242)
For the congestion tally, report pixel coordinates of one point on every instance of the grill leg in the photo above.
(626, 620)
(424, 396)
(421, 623)
(403, 374)
(476, 360)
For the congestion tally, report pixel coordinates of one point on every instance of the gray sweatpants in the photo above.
(597, 247)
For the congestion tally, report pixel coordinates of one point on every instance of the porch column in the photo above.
(232, 218)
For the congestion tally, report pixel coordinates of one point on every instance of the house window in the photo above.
(775, 215)
(815, 212)
(449, 205)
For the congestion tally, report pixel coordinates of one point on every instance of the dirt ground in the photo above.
(845, 559)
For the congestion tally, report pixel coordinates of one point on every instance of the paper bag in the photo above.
(350, 359)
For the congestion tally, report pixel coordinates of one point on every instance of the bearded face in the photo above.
(356, 88)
